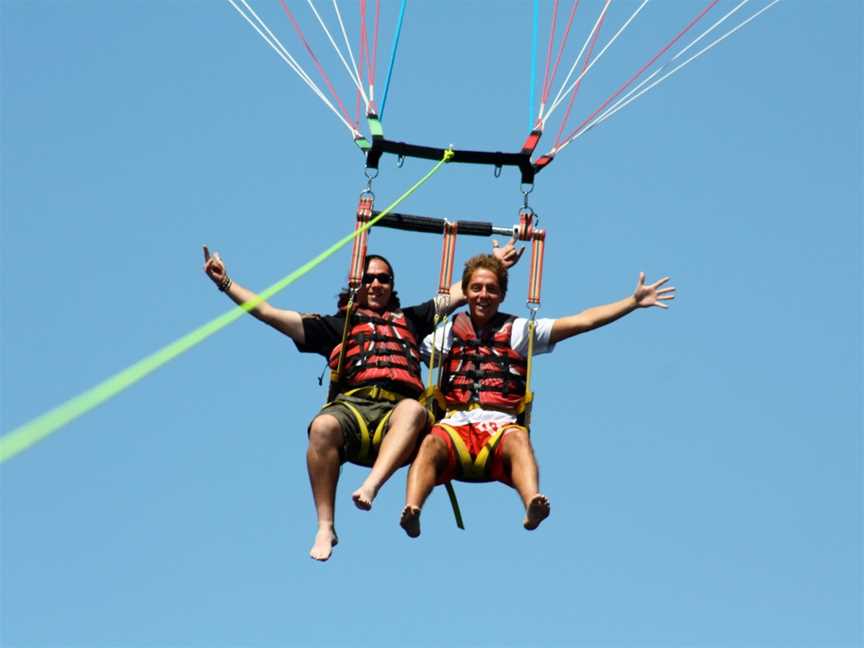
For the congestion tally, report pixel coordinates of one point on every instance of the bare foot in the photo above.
(410, 521)
(536, 512)
(325, 540)
(363, 498)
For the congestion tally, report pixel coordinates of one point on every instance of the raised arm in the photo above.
(645, 296)
(508, 255)
(288, 322)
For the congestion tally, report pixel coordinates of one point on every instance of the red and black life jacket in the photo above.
(484, 370)
(380, 350)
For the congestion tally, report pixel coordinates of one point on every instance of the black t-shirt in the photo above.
(323, 332)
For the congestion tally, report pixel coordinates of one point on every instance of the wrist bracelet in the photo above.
(225, 284)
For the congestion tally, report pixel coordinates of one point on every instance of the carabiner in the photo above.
(400, 161)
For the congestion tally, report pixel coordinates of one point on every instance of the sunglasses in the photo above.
(383, 278)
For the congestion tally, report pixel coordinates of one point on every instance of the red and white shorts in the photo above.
(475, 451)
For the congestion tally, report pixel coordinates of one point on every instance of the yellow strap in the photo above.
(336, 374)
(525, 403)
(364, 431)
(472, 469)
(379, 431)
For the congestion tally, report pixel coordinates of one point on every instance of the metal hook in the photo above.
(525, 192)
(497, 170)
(400, 161)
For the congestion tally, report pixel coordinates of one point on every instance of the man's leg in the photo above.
(519, 460)
(407, 422)
(430, 462)
(322, 461)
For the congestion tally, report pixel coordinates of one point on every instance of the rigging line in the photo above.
(354, 79)
(375, 49)
(599, 56)
(363, 48)
(576, 62)
(576, 89)
(351, 54)
(532, 78)
(545, 91)
(318, 65)
(560, 53)
(614, 107)
(704, 50)
(393, 49)
(285, 56)
(639, 72)
(27, 435)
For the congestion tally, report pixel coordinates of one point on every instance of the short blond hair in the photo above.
(485, 262)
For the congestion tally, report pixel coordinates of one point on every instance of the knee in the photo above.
(411, 412)
(325, 432)
(517, 441)
(432, 450)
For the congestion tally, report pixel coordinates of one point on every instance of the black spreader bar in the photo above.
(496, 159)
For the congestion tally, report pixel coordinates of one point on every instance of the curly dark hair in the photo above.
(394, 304)
(485, 262)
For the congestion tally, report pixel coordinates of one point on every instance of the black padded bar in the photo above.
(433, 225)
(497, 159)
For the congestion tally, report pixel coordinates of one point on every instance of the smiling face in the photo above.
(377, 288)
(484, 296)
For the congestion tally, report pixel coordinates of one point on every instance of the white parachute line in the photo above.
(350, 53)
(348, 69)
(618, 106)
(609, 110)
(556, 103)
(277, 46)
(578, 56)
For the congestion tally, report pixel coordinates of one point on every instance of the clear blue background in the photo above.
(704, 464)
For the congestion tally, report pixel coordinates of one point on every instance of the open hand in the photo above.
(651, 294)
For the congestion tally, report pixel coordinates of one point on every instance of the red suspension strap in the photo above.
(448, 251)
(358, 253)
(535, 282)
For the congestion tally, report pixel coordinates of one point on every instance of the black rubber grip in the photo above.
(432, 225)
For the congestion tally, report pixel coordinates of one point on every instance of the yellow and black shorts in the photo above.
(364, 416)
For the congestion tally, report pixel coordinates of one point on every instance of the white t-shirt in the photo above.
(443, 337)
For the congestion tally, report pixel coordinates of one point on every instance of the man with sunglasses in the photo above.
(374, 418)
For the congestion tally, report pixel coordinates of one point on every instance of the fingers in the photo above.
(670, 289)
(660, 282)
(206, 254)
(495, 243)
(641, 279)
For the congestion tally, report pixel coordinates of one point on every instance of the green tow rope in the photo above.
(31, 433)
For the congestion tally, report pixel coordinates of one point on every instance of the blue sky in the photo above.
(704, 464)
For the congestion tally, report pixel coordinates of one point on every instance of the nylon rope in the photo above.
(314, 58)
(575, 92)
(624, 101)
(393, 49)
(545, 92)
(561, 48)
(598, 57)
(532, 79)
(651, 62)
(374, 62)
(350, 53)
(633, 94)
(283, 53)
(30, 433)
(556, 101)
(348, 69)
